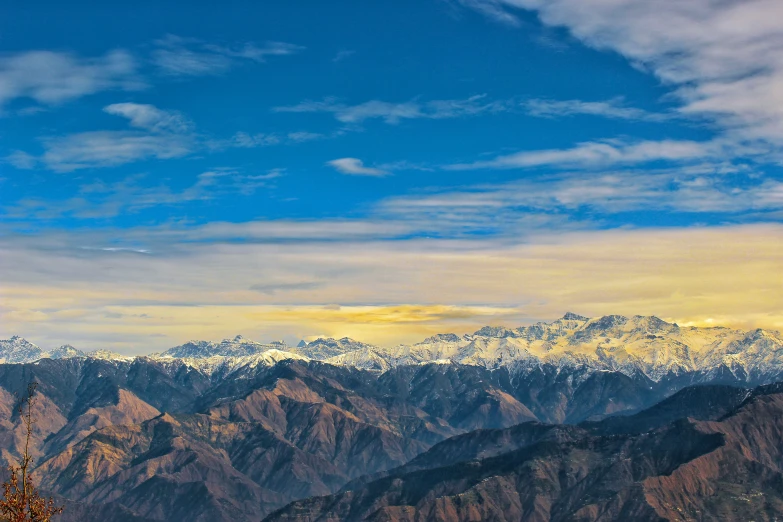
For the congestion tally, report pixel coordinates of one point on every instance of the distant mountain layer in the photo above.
(161, 438)
(630, 345)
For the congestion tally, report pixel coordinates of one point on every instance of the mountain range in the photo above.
(609, 418)
(635, 345)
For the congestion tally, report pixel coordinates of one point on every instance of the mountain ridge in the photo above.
(724, 465)
(645, 344)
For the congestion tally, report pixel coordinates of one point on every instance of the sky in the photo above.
(385, 170)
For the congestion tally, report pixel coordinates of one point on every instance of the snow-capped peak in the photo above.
(19, 350)
(236, 347)
(66, 351)
(108, 355)
(325, 348)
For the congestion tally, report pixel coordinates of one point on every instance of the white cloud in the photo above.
(164, 135)
(150, 117)
(178, 56)
(102, 200)
(393, 113)
(184, 62)
(599, 154)
(110, 148)
(22, 160)
(302, 136)
(248, 141)
(614, 109)
(54, 77)
(495, 9)
(355, 166)
(253, 52)
(723, 58)
(506, 208)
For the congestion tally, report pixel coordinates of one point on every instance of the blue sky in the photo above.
(160, 148)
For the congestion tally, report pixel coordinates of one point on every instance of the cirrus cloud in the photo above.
(722, 58)
(599, 154)
(395, 112)
(177, 56)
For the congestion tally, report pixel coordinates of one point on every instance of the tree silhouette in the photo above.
(21, 500)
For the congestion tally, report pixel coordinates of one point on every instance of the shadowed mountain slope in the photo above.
(726, 469)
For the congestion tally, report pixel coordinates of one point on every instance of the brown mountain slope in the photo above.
(247, 456)
(729, 469)
(235, 448)
(128, 409)
(741, 480)
(158, 471)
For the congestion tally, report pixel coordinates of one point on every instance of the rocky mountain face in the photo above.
(160, 440)
(150, 436)
(719, 468)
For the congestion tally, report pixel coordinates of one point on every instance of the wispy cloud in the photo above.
(614, 109)
(21, 160)
(155, 134)
(302, 136)
(50, 78)
(599, 154)
(507, 208)
(246, 140)
(722, 58)
(101, 200)
(179, 56)
(274, 288)
(343, 55)
(498, 10)
(150, 117)
(393, 113)
(356, 167)
(111, 148)
(118, 249)
(164, 135)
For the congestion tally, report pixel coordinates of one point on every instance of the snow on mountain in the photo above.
(107, 355)
(323, 349)
(224, 365)
(66, 351)
(19, 350)
(366, 359)
(236, 347)
(756, 353)
(631, 345)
